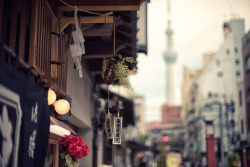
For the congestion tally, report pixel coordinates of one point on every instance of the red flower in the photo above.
(63, 141)
(71, 138)
(75, 150)
(79, 141)
(75, 146)
(85, 150)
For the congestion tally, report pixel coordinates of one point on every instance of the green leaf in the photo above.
(62, 155)
(118, 68)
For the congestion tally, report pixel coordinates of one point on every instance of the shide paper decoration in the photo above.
(77, 49)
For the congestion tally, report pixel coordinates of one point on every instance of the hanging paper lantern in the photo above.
(62, 106)
(51, 96)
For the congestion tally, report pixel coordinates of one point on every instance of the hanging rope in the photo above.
(118, 84)
(82, 9)
(114, 39)
(108, 102)
(108, 93)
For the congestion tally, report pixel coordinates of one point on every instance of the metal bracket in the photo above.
(55, 62)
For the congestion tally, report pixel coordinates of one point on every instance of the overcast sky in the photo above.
(197, 28)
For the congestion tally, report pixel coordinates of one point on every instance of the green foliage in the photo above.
(233, 159)
(116, 69)
(143, 139)
(62, 155)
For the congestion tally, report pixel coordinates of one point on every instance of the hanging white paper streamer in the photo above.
(77, 49)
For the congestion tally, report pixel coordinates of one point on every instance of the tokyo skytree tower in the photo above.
(170, 57)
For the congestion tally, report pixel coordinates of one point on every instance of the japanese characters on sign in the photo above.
(108, 126)
(117, 130)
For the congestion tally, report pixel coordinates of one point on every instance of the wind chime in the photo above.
(118, 124)
(116, 133)
(108, 119)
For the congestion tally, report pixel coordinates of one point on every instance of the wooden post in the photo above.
(33, 34)
(54, 47)
(22, 31)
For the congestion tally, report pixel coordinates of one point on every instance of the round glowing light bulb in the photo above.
(165, 139)
(51, 96)
(62, 106)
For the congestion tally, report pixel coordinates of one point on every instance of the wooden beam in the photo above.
(103, 30)
(96, 72)
(92, 19)
(97, 56)
(102, 8)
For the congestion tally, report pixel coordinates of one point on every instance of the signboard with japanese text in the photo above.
(117, 130)
(108, 126)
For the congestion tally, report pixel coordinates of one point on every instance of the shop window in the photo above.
(240, 98)
(242, 126)
(193, 99)
(220, 74)
(209, 94)
(248, 97)
(237, 61)
(248, 63)
(218, 62)
(236, 50)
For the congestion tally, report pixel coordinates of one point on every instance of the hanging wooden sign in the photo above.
(108, 126)
(117, 130)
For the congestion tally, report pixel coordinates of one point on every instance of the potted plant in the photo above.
(233, 159)
(114, 68)
(72, 148)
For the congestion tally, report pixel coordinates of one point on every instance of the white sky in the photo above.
(198, 29)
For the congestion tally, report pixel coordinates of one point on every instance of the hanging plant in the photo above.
(114, 68)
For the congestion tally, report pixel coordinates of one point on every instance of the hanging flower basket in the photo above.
(72, 148)
(114, 68)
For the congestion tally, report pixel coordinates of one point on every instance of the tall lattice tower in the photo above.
(170, 57)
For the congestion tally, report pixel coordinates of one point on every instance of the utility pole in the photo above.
(221, 136)
(221, 130)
